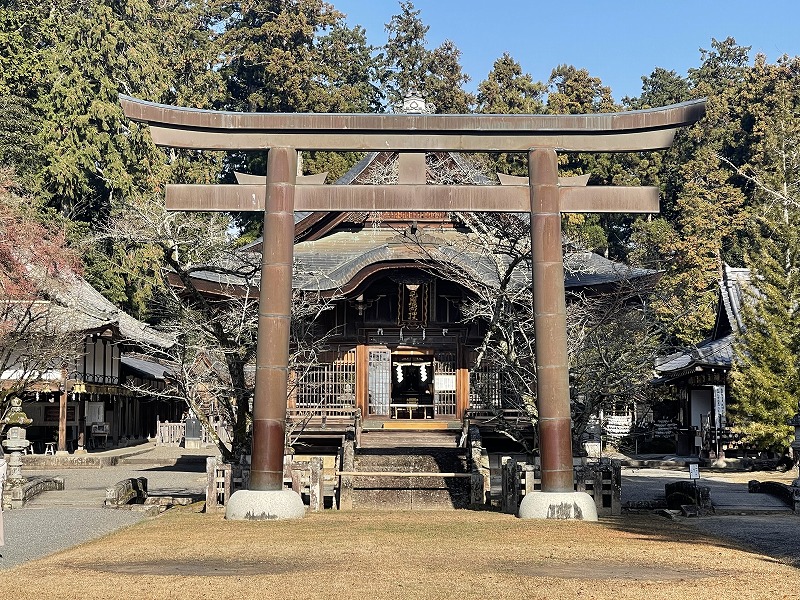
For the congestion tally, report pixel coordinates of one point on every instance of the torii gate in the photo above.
(540, 136)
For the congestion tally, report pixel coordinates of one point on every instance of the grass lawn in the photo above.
(381, 555)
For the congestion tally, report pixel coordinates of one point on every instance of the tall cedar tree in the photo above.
(507, 90)
(766, 372)
(408, 65)
(703, 201)
(575, 91)
(68, 62)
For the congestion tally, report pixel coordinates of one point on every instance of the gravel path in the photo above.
(57, 520)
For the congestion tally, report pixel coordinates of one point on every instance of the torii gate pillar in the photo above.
(557, 500)
(266, 498)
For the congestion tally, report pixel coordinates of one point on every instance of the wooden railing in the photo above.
(172, 434)
(308, 478)
(223, 479)
(488, 416)
(333, 418)
(601, 480)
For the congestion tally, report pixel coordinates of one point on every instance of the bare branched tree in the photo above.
(208, 299)
(613, 339)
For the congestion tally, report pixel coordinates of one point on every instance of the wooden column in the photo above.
(62, 419)
(274, 314)
(552, 369)
(462, 382)
(362, 379)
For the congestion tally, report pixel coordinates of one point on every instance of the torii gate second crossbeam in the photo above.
(541, 136)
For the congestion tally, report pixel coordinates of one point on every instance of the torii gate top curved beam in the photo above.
(631, 131)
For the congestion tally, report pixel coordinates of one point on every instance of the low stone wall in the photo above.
(127, 491)
(16, 497)
(788, 493)
(82, 460)
(68, 461)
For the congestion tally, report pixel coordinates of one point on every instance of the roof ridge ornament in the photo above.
(414, 104)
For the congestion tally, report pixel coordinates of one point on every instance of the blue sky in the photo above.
(617, 41)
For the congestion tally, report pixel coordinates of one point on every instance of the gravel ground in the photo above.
(54, 521)
(36, 532)
(755, 522)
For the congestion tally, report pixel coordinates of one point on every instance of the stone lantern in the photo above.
(15, 444)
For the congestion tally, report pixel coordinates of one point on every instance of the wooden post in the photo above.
(315, 484)
(462, 383)
(362, 375)
(346, 481)
(211, 484)
(508, 504)
(62, 421)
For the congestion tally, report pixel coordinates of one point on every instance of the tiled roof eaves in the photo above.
(711, 353)
(356, 169)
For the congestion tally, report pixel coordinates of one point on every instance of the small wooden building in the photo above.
(697, 379)
(93, 378)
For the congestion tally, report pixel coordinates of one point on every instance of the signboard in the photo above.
(51, 413)
(413, 305)
(719, 404)
(445, 383)
(694, 471)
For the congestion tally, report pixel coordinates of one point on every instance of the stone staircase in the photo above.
(399, 453)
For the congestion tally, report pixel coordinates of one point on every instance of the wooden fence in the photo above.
(308, 478)
(172, 434)
(601, 480)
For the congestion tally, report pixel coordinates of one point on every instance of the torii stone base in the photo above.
(270, 505)
(579, 506)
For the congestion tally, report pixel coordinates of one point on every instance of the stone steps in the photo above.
(428, 452)
(410, 439)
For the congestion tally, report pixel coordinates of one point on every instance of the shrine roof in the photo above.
(717, 350)
(338, 262)
(79, 307)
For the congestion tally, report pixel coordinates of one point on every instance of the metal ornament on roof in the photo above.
(541, 195)
(414, 104)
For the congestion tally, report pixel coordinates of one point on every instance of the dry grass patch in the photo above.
(457, 554)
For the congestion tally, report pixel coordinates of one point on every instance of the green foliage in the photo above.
(271, 62)
(507, 90)
(765, 380)
(575, 92)
(408, 65)
(445, 80)
(766, 374)
(660, 88)
(406, 55)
